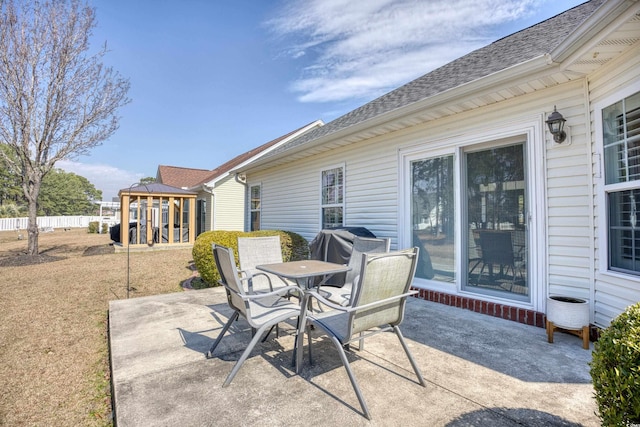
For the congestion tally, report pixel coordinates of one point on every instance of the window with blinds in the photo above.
(621, 133)
(332, 203)
(624, 235)
(255, 206)
(621, 137)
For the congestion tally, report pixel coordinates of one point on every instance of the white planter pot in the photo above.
(568, 312)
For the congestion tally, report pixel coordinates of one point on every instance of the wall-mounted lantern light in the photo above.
(556, 126)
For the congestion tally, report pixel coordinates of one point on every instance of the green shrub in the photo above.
(615, 370)
(294, 247)
(93, 227)
(105, 228)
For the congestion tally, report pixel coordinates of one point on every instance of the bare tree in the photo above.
(57, 100)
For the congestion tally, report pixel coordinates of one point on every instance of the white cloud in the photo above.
(108, 179)
(363, 49)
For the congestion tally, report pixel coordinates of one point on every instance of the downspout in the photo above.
(592, 194)
(209, 190)
(242, 180)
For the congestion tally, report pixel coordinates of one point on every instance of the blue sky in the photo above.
(211, 79)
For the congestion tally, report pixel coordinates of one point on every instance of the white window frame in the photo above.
(531, 128)
(333, 205)
(251, 209)
(408, 156)
(602, 188)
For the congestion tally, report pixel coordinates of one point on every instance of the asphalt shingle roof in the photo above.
(189, 178)
(514, 49)
(226, 167)
(181, 177)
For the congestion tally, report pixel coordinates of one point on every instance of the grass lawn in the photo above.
(53, 323)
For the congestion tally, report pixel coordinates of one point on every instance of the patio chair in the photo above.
(378, 306)
(261, 310)
(254, 251)
(474, 251)
(497, 249)
(342, 295)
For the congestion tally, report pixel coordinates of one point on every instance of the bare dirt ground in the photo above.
(53, 322)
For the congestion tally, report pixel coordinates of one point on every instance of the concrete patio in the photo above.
(480, 371)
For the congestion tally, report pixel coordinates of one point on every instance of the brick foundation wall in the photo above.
(520, 315)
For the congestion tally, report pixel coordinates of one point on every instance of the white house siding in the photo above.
(569, 199)
(289, 200)
(210, 199)
(291, 193)
(371, 190)
(227, 204)
(613, 292)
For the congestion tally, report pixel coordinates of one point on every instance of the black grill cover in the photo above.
(334, 245)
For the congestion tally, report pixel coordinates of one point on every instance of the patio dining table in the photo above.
(303, 271)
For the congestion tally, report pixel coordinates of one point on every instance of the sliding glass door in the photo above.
(433, 217)
(468, 216)
(495, 224)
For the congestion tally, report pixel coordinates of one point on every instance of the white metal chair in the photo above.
(342, 295)
(261, 310)
(378, 306)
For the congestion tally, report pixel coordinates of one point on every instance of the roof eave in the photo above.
(611, 13)
(238, 168)
(531, 66)
(211, 183)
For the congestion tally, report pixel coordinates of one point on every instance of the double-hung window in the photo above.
(332, 203)
(255, 206)
(621, 142)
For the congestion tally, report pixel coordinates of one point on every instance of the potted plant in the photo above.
(568, 312)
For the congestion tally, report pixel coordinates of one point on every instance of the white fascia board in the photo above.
(208, 186)
(211, 184)
(609, 16)
(466, 90)
(317, 123)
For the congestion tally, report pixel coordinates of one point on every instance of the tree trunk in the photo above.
(31, 190)
(32, 228)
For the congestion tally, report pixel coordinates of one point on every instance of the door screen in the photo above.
(495, 226)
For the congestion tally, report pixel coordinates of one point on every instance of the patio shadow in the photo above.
(509, 416)
(514, 349)
(237, 338)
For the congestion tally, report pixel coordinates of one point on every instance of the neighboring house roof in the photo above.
(535, 42)
(181, 177)
(254, 153)
(192, 179)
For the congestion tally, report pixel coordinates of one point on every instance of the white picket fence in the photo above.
(54, 222)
